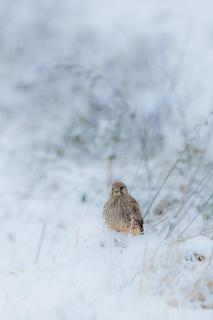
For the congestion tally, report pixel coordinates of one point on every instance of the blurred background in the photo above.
(93, 91)
(104, 79)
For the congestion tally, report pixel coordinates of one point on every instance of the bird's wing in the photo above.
(136, 212)
(106, 206)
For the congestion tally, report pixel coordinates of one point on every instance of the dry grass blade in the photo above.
(177, 161)
(40, 243)
(196, 235)
(195, 217)
(197, 190)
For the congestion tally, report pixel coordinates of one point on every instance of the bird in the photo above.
(122, 212)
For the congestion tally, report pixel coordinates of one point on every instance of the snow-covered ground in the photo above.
(90, 93)
(58, 261)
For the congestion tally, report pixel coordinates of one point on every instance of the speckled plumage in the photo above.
(122, 212)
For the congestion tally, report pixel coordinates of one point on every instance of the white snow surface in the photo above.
(58, 261)
(82, 82)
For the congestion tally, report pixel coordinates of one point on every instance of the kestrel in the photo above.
(122, 212)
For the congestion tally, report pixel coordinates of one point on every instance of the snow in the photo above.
(84, 270)
(200, 245)
(91, 93)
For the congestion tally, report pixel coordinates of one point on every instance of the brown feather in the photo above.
(122, 212)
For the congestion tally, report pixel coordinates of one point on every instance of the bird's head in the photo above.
(118, 189)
